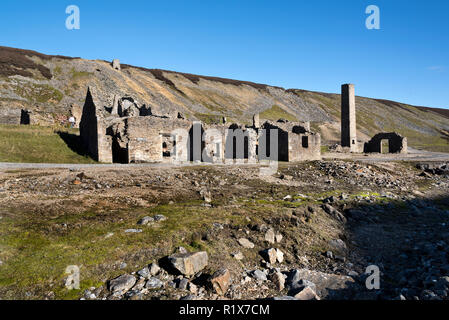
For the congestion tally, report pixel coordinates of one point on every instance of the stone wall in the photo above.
(10, 116)
(397, 143)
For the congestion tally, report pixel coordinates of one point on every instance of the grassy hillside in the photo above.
(35, 144)
(50, 85)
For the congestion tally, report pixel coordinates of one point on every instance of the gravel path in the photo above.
(413, 155)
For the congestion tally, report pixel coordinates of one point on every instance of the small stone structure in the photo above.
(116, 64)
(348, 118)
(396, 143)
(128, 132)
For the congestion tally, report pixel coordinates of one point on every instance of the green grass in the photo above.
(37, 252)
(35, 144)
(209, 118)
(40, 93)
(275, 113)
(79, 74)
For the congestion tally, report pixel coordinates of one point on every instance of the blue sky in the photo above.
(313, 45)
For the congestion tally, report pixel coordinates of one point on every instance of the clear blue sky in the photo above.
(314, 45)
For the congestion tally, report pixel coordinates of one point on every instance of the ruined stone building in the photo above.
(384, 142)
(128, 133)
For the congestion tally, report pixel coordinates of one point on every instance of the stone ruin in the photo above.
(396, 143)
(128, 133)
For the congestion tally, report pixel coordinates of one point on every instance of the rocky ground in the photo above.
(307, 232)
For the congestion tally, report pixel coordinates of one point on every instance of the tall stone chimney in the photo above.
(256, 121)
(348, 118)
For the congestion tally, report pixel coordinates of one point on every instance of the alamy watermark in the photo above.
(73, 277)
(372, 282)
(234, 146)
(73, 21)
(373, 20)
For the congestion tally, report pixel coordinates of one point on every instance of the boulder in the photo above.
(154, 283)
(330, 286)
(278, 280)
(154, 269)
(189, 263)
(270, 236)
(338, 245)
(279, 256)
(144, 273)
(273, 255)
(238, 255)
(270, 255)
(246, 243)
(145, 220)
(122, 284)
(307, 293)
(220, 281)
(259, 275)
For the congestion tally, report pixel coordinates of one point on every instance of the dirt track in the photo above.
(413, 155)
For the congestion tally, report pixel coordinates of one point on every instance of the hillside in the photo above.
(50, 85)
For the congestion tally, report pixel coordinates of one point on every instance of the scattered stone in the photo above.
(140, 284)
(159, 217)
(333, 212)
(338, 245)
(259, 275)
(206, 195)
(330, 286)
(181, 250)
(278, 237)
(278, 279)
(145, 220)
(144, 273)
(238, 255)
(220, 281)
(192, 288)
(122, 284)
(133, 230)
(154, 269)
(183, 284)
(270, 236)
(285, 298)
(189, 297)
(270, 255)
(307, 293)
(279, 256)
(189, 263)
(123, 265)
(246, 243)
(154, 283)
(301, 284)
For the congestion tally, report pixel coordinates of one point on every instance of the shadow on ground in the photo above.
(74, 142)
(408, 240)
